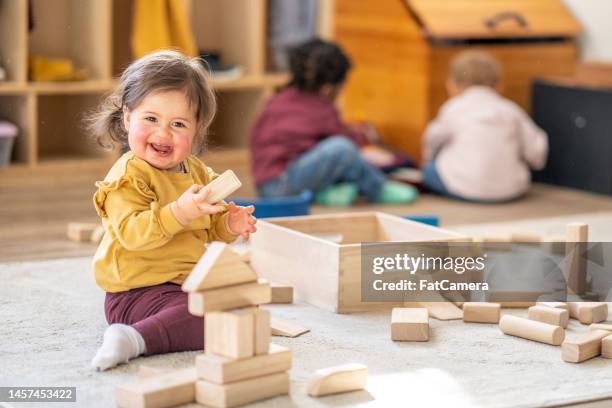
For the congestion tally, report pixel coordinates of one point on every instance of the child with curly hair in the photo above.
(153, 205)
(300, 143)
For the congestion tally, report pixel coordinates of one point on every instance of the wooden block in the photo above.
(222, 186)
(230, 297)
(558, 305)
(167, 390)
(334, 380)
(601, 326)
(577, 236)
(442, 310)
(588, 312)
(230, 334)
(481, 312)
(606, 346)
(81, 231)
(516, 304)
(263, 331)
(584, 347)
(550, 315)
(223, 370)
(241, 392)
(145, 371)
(220, 266)
(409, 324)
(97, 235)
(526, 238)
(532, 330)
(286, 328)
(281, 293)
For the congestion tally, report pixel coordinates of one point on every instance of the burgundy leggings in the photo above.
(159, 313)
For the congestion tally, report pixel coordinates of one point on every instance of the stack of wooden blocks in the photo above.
(239, 364)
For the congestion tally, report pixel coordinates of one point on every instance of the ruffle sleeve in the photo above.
(105, 187)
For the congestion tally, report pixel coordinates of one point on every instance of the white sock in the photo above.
(121, 343)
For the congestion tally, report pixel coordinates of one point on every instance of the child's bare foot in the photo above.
(121, 343)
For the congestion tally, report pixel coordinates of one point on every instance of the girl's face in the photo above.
(161, 128)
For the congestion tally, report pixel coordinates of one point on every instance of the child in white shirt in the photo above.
(481, 146)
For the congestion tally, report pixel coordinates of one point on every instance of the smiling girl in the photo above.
(153, 207)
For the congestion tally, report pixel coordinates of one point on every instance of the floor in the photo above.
(463, 365)
(37, 204)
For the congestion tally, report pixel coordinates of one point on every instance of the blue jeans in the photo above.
(431, 181)
(335, 159)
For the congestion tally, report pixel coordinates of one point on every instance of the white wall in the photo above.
(596, 19)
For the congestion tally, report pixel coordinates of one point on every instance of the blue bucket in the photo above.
(279, 206)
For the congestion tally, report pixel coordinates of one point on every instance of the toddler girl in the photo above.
(153, 207)
(481, 146)
(299, 142)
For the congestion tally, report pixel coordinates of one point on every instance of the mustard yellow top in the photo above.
(144, 244)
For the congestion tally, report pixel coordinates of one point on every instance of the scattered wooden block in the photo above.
(286, 328)
(230, 297)
(334, 380)
(481, 312)
(442, 310)
(577, 236)
(97, 235)
(263, 331)
(167, 390)
(223, 370)
(281, 293)
(526, 238)
(221, 187)
(550, 315)
(81, 231)
(606, 346)
(584, 347)
(557, 305)
(532, 330)
(230, 334)
(601, 326)
(241, 392)
(409, 324)
(220, 266)
(588, 312)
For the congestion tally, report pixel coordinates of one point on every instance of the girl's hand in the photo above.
(192, 204)
(240, 220)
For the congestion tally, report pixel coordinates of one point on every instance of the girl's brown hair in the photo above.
(159, 71)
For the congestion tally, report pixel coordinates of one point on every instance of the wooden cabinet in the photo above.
(401, 50)
(95, 34)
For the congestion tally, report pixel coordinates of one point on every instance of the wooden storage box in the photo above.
(401, 49)
(294, 251)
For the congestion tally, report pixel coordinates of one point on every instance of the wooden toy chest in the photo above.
(401, 49)
(324, 273)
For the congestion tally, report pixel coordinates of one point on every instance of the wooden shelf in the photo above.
(95, 35)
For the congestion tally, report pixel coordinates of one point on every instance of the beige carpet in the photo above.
(53, 322)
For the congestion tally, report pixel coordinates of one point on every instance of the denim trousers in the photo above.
(333, 160)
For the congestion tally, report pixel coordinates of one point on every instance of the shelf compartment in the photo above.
(234, 28)
(17, 109)
(13, 40)
(75, 29)
(60, 128)
(236, 114)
